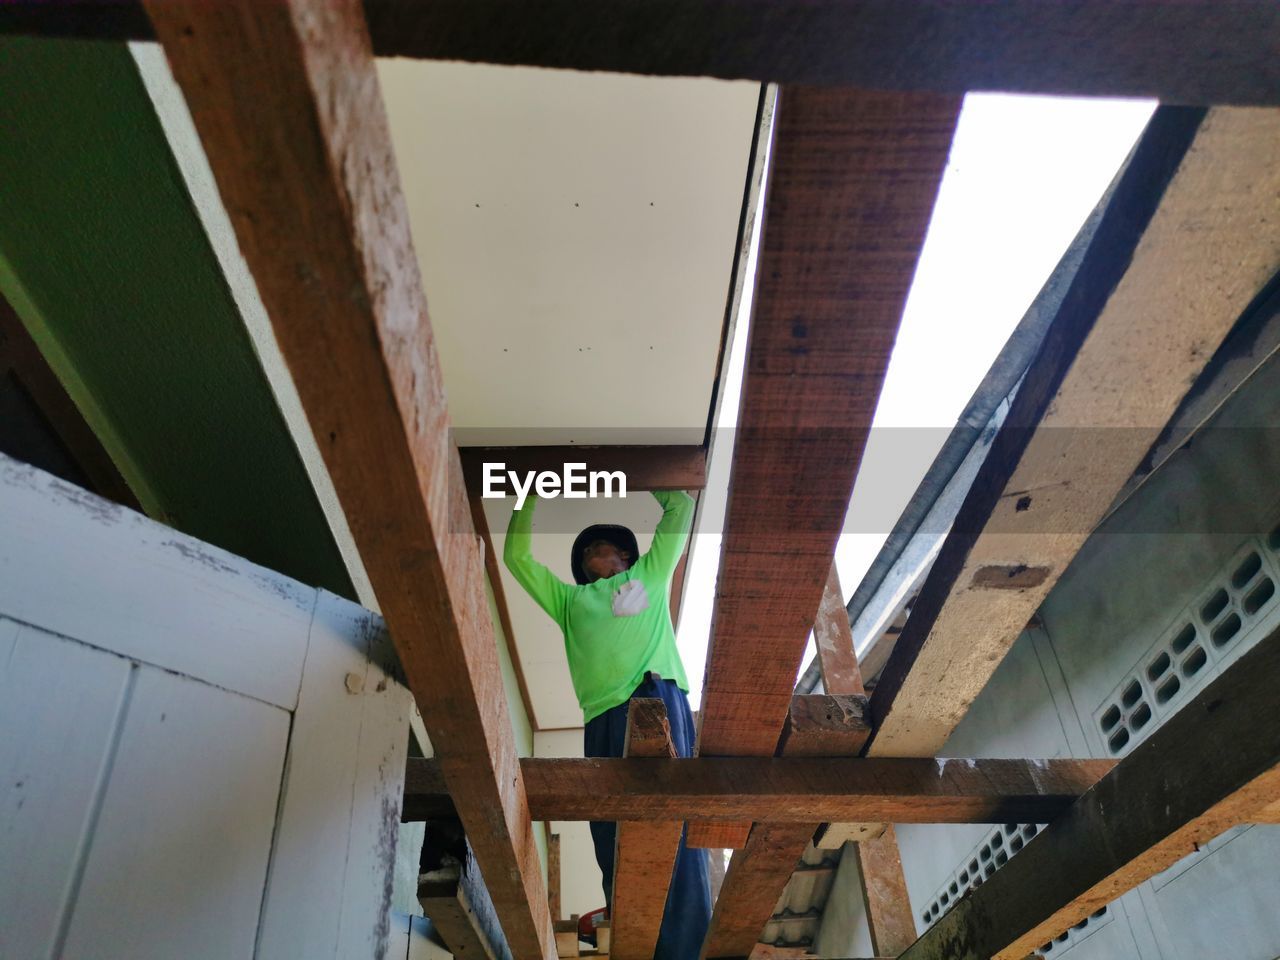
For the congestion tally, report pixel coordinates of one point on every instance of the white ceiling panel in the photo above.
(576, 234)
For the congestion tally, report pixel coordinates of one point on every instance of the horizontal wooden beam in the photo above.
(852, 183)
(646, 850)
(784, 790)
(285, 98)
(1213, 765)
(672, 467)
(1179, 51)
(1192, 234)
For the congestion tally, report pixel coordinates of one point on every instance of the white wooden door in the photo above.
(200, 758)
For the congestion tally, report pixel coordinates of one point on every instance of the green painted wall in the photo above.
(104, 258)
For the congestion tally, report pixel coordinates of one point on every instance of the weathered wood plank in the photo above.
(453, 895)
(444, 902)
(852, 184)
(1212, 765)
(884, 887)
(285, 98)
(825, 725)
(841, 674)
(757, 875)
(784, 790)
(676, 467)
(493, 571)
(884, 893)
(833, 637)
(1191, 236)
(1179, 51)
(553, 875)
(646, 851)
(822, 725)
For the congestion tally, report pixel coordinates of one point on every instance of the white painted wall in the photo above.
(200, 757)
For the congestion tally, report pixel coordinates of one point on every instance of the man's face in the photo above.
(603, 559)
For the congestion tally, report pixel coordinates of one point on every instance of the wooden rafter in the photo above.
(1213, 765)
(494, 573)
(553, 875)
(452, 894)
(824, 725)
(852, 183)
(285, 98)
(833, 638)
(782, 790)
(1179, 51)
(646, 850)
(885, 900)
(1191, 236)
(884, 893)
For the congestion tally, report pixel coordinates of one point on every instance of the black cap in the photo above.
(620, 536)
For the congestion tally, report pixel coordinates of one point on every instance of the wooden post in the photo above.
(884, 887)
(646, 851)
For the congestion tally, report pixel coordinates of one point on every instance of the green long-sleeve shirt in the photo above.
(610, 654)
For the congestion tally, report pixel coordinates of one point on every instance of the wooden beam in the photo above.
(822, 725)
(852, 183)
(553, 876)
(445, 903)
(453, 895)
(833, 637)
(1190, 238)
(285, 98)
(825, 725)
(673, 467)
(1179, 51)
(1212, 765)
(884, 894)
(884, 886)
(567, 944)
(493, 571)
(646, 850)
(756, 878)
(784, 790)
(838, 666)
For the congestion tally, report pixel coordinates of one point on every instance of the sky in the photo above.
(1023, 175)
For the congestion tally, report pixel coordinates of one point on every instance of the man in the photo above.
(621, 644)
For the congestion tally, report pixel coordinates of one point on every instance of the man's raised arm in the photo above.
(547, 590)
(672, 533)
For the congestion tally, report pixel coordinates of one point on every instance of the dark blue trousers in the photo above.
(684, 925)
